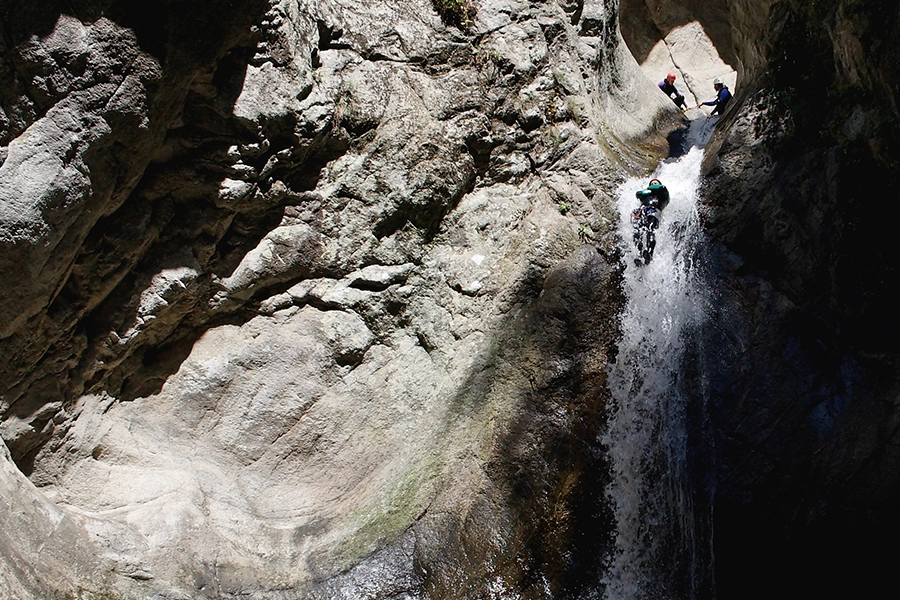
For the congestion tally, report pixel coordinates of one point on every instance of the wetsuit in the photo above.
(721, 100)
(655, 195)
(645, 220)
(668, 89)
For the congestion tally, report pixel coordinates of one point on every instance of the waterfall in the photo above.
(659, 499)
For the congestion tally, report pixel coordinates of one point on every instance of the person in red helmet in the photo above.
(668, 88)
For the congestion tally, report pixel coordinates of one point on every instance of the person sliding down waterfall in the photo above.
(645, 219)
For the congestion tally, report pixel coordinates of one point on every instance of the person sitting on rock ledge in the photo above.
(722, 98)
(668, 88)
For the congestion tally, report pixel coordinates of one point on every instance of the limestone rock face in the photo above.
(310, 299)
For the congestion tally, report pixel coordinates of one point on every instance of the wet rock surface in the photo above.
(312, 301)
(804, 363)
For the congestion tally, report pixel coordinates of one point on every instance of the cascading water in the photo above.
(663, 521)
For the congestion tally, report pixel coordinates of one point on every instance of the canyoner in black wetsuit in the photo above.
(668, 88)
(723, 95)
(645, 219)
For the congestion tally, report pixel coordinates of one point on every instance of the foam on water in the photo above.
(663, 540)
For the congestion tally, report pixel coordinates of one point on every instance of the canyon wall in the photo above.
(807, 443)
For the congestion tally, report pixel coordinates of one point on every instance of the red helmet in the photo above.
(655, 180)
(670, 77)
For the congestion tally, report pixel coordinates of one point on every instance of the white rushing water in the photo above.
(663, 522)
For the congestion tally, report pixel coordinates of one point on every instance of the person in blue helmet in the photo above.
(668, 88)
(721, 99)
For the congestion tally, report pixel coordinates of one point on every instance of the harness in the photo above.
(645, 215)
